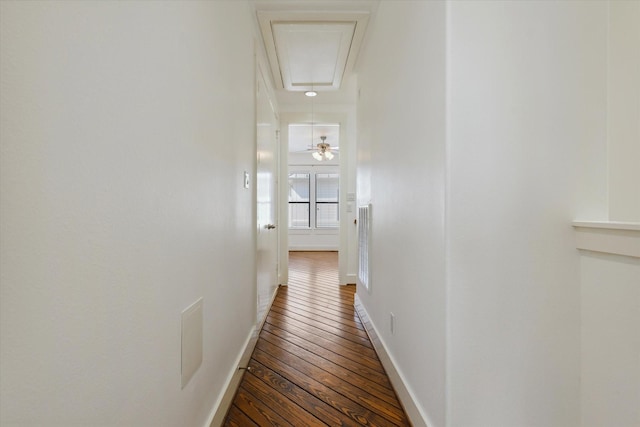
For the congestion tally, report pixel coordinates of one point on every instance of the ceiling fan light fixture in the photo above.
(324, 151)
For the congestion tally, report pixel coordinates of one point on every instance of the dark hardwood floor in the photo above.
(313, 364)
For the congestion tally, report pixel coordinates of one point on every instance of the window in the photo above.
(327, 197)
(314, 200)
(299, 200)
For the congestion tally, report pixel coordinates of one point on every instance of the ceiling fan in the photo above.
(323, 150)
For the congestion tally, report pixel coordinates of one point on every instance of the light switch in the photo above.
(246, 179)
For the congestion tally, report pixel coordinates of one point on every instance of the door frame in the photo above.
(262, 81)
(287, 118)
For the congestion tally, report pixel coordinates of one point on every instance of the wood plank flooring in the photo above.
(313, 364)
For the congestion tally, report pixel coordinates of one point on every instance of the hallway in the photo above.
(314, 364)
(495, 145)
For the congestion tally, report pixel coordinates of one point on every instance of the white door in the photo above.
(266, 196)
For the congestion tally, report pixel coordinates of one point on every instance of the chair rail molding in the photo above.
(619, 238)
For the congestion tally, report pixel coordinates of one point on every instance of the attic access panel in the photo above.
(311, 50)
(312, 54)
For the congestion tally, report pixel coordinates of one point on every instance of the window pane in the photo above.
(298, 187)
(327, 187)
(327, 215)
(299, 201)
(298, 215)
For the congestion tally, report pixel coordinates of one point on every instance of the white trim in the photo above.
(326, 231)
(612, 225)
(305, 248)
(345, 119)
(407, 399)
(260, 322)
(619, 238)
(222, 405)
(220, 408)
(351, 278)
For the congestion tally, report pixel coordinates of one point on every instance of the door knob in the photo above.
(269, 226)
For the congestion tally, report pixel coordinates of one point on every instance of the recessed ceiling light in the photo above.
(311, 93)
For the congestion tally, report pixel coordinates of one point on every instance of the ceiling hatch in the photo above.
(311, 50)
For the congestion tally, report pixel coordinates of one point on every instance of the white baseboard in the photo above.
(313, 248)
(351, 279)
(266, 312)
(220, 408)
(405, 395)
(222, 405)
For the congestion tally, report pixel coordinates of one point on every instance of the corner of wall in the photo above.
(405, 395)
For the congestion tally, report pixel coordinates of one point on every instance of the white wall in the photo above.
(624, 111)
(401, 171)
(524, 153)
(125, 134)
(527, 127)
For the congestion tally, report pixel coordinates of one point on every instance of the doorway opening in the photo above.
(313, 187)
(317, 197)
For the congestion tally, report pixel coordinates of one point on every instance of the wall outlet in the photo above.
(392, 322)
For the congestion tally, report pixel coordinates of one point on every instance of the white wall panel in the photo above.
(610, 340)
